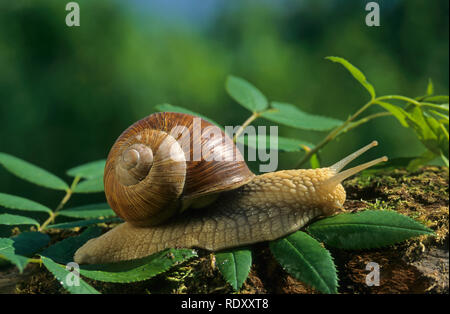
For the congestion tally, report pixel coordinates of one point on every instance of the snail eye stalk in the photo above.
(341, 176)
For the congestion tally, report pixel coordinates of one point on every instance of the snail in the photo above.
(170, 199)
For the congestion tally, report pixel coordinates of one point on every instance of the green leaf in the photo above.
(94, 185)
(83, 223)
(305, 259)
(13, 220)
(64, 277)
(314, 161)
(422, 160)
(31, 173)
(62, 252)
(290, 115)
(139, 269)
(437, 99)
(357, 74)
(396, 111)
(88, 171)
(427, 130)
(430, 88)
(444, 159)
(30, 242)
(366, 230)
(20, 248)
(7, 252)
(16, 202)
(89, 211)
(284, 144)
(5, 245)
(443, 117)
(246, 94)
(234, 265)
(172, 108)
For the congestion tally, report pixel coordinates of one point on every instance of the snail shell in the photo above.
(162, 163)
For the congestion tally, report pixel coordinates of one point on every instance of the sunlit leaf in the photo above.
(396, 111)
(437, 99)
(246, 94)
(357, 74)
(421, 126)
(443, 117)
(445, 159)
(314, 161)
(430, 87)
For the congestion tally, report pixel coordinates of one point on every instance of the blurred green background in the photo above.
(67, 93)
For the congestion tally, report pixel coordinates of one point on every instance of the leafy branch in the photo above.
(63, 202)
(427, 115)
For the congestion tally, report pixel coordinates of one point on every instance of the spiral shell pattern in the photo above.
(153, 168)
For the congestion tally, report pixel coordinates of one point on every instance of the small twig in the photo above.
(398, 97)
(35, 260)
(334, 133)
(247, 122)
(63, 202)
(366, 119)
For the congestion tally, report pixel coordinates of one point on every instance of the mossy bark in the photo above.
(418, 265)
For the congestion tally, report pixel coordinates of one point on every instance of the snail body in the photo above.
(237, 207)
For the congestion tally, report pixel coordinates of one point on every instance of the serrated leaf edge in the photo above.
(314, 269)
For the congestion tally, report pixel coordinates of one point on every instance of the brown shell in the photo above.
(210, 164)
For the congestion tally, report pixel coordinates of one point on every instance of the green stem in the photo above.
(63, 202)
(398, 97)
(247, 122)
(413, 101)
(35, 260)
(366, 119)
(334, 133)
(50, 219)
(427, 104)
(441, 126)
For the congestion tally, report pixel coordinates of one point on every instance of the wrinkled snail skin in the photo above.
(158, 195)
(269, 207)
